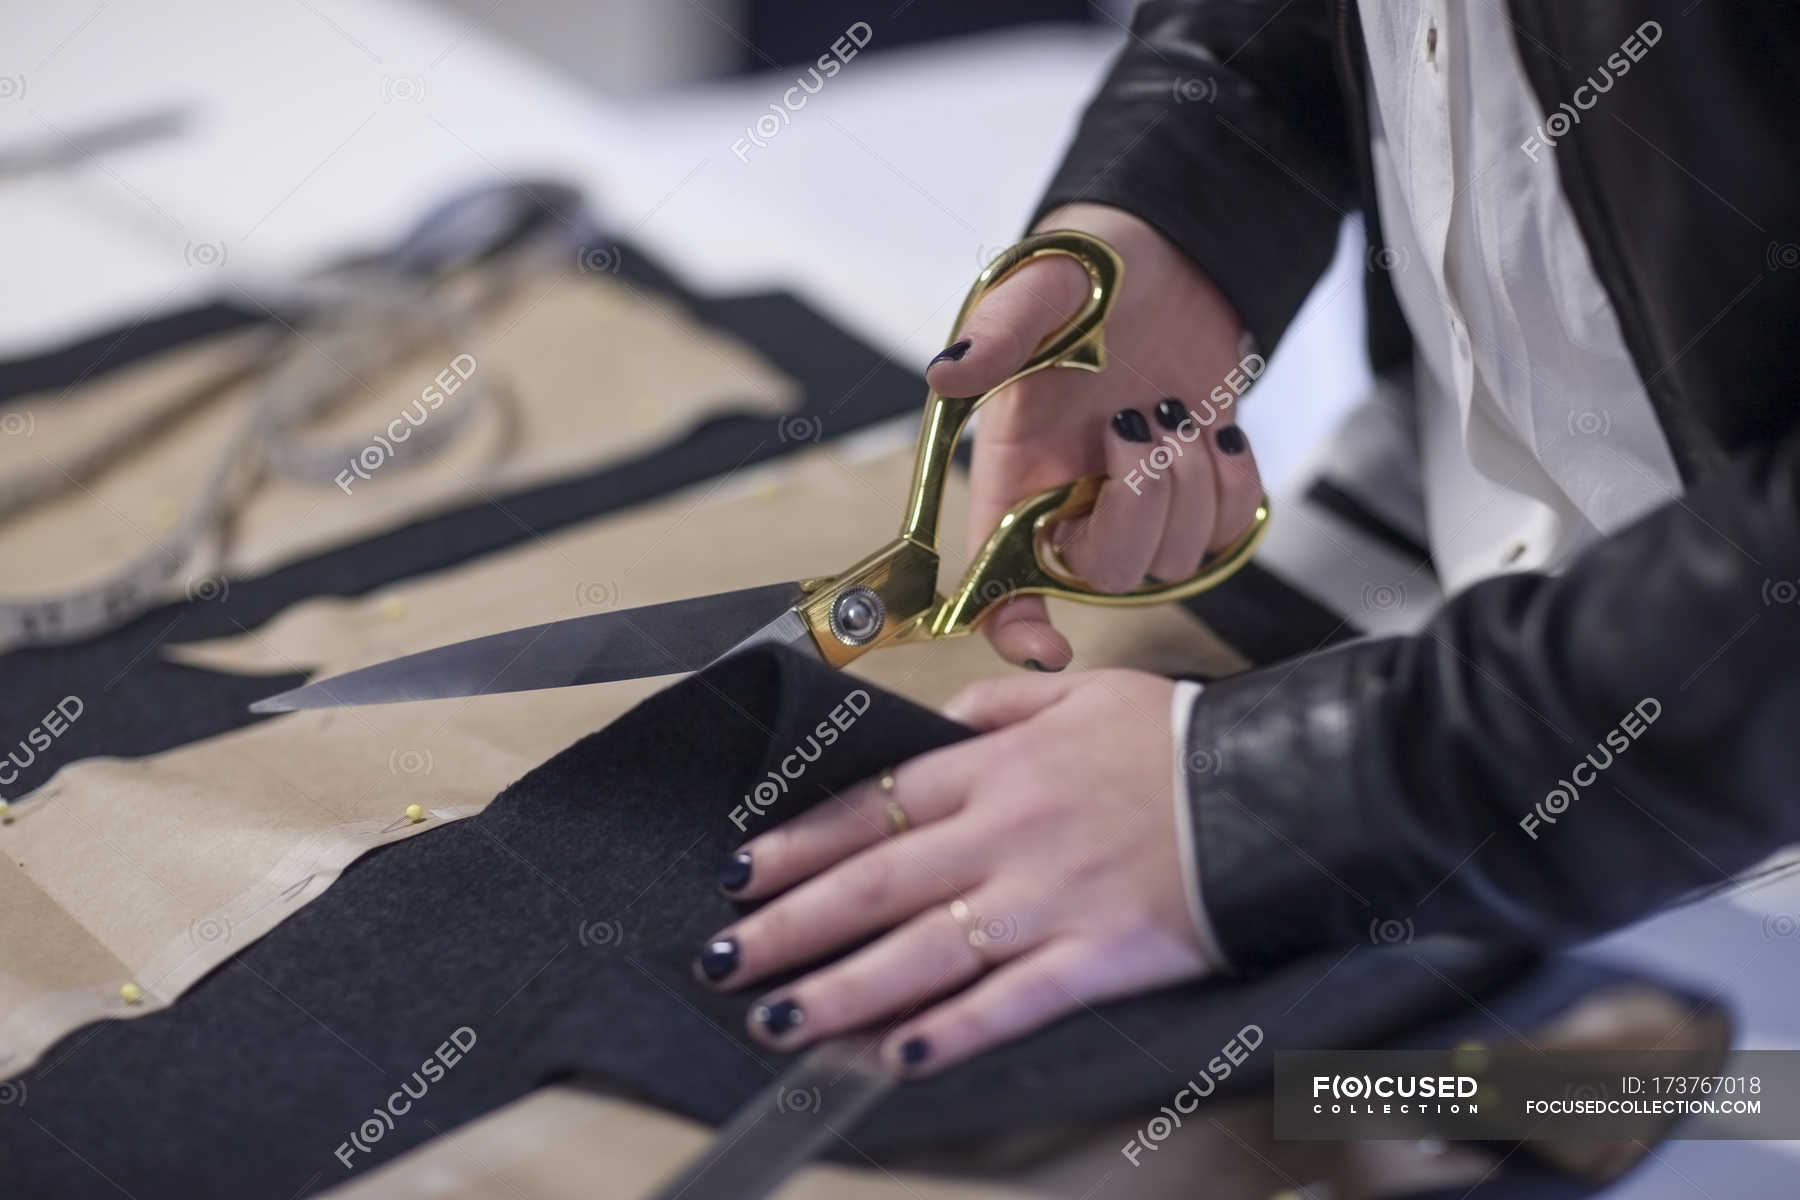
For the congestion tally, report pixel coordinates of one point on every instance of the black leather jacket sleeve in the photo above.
(1552, 756)
(1222, 125)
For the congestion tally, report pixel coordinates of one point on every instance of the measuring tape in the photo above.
(310, 373)
(361, 322)
(362, 326)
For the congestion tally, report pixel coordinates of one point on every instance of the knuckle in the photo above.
(978, 697)
(1143, 474)
(987, 325)
(1038, 298)
(871, 885)
(756, 936)
(765, 935)
(833, 999)
(1109, 573)
(1062, 283)
(1038, 994)
(995, 801)
(968, 696)
(1091, 558)
(1172, 566)
(1014, 341)
(970, 1025)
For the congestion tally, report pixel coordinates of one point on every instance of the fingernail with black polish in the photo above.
(952, 353)
(736, 871)
(1129, 424)
(1231, 439)
(914, 1051)
(1034, 664)
(719, 959)
(1171, 412)
(779, 1017)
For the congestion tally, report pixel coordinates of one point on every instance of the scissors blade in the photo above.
(815, 1102)
(657, 639)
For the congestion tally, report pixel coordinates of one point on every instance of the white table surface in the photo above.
(319, 126)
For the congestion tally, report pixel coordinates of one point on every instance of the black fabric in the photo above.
(796, 32)
(1521, 1180)
(69, 365)
(138, 703)
(559, 925)
(1359, 516)
(1266, 619)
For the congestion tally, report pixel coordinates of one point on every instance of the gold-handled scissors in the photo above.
(888, 598)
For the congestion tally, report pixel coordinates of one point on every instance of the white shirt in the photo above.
(1535, 430)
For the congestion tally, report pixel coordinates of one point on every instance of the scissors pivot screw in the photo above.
(857, 615)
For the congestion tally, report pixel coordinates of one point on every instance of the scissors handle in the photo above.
(1020, 559)
(1076, 344)
(891, 595)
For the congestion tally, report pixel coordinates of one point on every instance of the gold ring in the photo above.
(963, 915)
(959, 912)
(898, 821)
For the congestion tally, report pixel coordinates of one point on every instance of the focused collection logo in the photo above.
(1362, 1095)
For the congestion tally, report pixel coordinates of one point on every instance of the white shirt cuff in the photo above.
(1181, 710)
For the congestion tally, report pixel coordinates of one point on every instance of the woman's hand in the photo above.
(1038, 872)
(1171, 340)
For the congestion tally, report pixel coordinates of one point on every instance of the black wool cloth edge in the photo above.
(551, 936)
